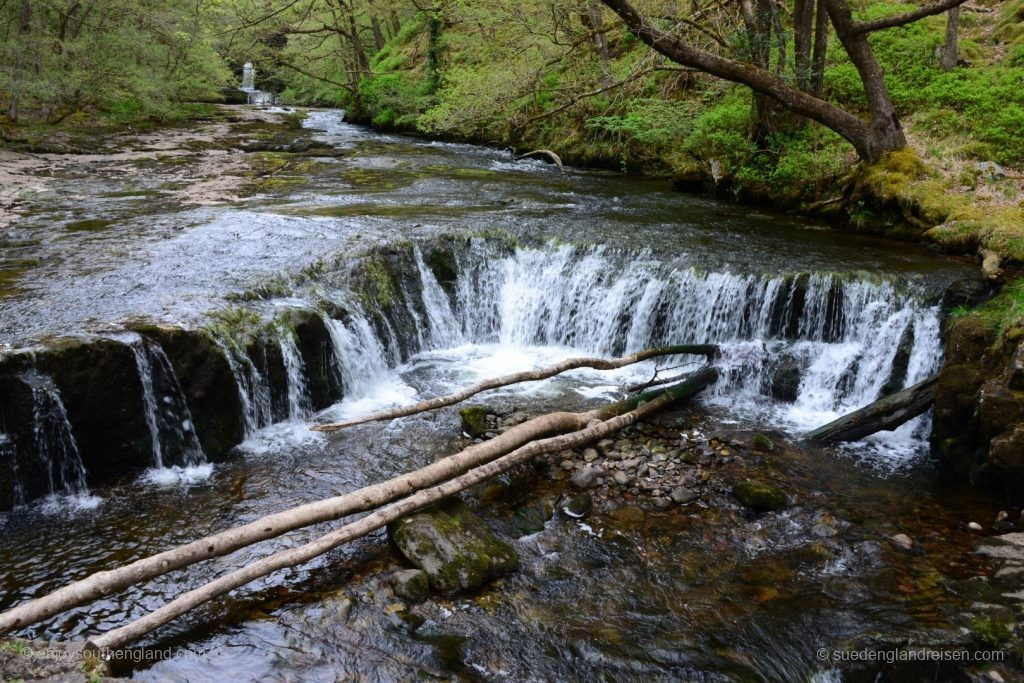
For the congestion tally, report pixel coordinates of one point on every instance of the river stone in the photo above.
(579, 505)
(901, 541)
(474, 420)
(411, 585)
(456, 549)
(590, 455)
(587, 477)
(621, 478)
(682, 496)
(759, 496)
(531, 518)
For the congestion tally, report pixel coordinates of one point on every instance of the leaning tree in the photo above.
(807, 30)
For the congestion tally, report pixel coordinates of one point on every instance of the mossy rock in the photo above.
(456, 549)
(989, 632)
(759, 496)
(762, 443)
(474, 420)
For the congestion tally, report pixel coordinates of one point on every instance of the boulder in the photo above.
(785, 381)
(456, 549)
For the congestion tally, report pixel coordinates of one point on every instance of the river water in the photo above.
(556, 263)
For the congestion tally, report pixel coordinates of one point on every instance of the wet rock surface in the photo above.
(453, 546)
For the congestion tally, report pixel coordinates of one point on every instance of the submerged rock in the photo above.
(411, 585)
(579, 505)
(532, 517)
(474, 420)
(901, 541)
(759, 496)
(456, 549)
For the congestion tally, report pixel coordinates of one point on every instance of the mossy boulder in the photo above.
(474, 420)
(762, 443)
(759, 496)
(456, 549)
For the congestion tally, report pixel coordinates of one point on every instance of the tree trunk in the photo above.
(378, 36)
(884, 414)
(951, 48)
(884, 134)
(707, 350)
(17, 81)
(600, 42)
(302, 554)
(803, 42)
(820, 48)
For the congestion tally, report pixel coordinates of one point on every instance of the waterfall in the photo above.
(300, 406)
(252, 386)
(443, 327)
(172, 434)
(54, 439)
(359, 358)
(840, 332)
(248, 77)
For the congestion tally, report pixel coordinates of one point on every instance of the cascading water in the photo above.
(840, 334)
(359, 357)
(172, 434)
(54, 441)
(443, 327)
(253, 389)
(300, 406)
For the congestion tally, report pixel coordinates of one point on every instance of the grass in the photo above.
(1004, 314)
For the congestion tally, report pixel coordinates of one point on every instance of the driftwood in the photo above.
(299, 555)
(543, 152)
(707, 350)
(105, 583)
(884, 414)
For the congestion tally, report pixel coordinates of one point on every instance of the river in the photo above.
(538, 264)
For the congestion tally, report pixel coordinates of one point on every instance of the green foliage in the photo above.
(394, 100)
(130, 60)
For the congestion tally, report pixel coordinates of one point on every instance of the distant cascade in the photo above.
(300, 405)
(359, 357)
(248, 77)
(54, 440)
(253, 388)
(254, 96)
(172, 433)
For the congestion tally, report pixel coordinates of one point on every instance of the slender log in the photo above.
(543, 152)
(301, 554)
(884, 414)
(105, 583)
(707, 350)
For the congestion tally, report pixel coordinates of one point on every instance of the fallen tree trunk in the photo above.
(299, 555)
(706, 350)
(543, 152)
(104, 583)
(884, 414)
